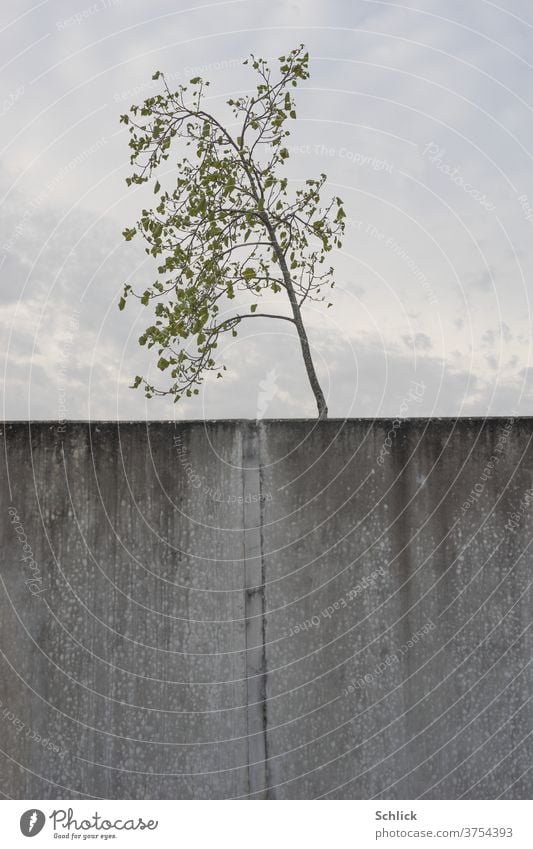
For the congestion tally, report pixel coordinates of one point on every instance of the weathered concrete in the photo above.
(281, 609)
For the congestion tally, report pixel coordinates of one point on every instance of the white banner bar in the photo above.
(282, 825)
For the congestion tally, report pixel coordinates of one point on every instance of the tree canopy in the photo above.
(230, 225)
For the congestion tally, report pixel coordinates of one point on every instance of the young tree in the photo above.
(230, 225)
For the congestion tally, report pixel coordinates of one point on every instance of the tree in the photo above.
(230, 225)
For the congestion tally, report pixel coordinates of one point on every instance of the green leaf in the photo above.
(163, 364)
(249, 274)
(156, 187)
(253, 307)
(122, 303)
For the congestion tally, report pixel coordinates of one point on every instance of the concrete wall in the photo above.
(275, 610)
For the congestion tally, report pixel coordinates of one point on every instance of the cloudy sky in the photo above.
(421, 116)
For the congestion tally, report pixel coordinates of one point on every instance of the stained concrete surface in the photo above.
(274, 610)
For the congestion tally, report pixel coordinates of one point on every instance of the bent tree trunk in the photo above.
(306, 352)
(298, 321)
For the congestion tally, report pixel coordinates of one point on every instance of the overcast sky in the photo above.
(420, 115)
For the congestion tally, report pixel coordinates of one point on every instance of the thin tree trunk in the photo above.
(304, 342)
(302, 335)
(306, 352)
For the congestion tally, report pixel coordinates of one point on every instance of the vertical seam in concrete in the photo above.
(254, 613)
(261, 434)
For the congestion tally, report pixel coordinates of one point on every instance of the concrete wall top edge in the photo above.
(184, 422)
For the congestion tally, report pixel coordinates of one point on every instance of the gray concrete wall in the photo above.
(276, 610)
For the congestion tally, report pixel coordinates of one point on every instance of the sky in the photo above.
(420, 114)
